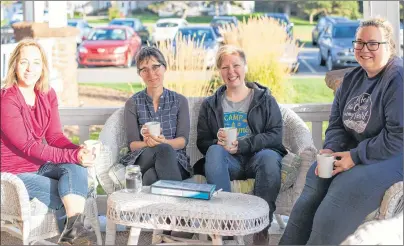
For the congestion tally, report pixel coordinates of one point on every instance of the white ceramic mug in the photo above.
(153, 127)
(231, 135)
(94, 146)
(325, 165)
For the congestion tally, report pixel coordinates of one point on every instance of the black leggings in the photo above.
(160, 162)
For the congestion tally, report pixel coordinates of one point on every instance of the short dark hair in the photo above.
(146, 52)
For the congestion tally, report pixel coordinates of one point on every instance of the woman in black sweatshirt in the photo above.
(365, 134)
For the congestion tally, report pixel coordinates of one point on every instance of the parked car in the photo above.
(137, 26)
(165, 29)
(335, 45)
(219, 21)
(211, 41)
(17, 16)
(83, 27)
(283, 19)
(321, 24)
(109, 46)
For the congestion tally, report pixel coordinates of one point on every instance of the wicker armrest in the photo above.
(113, 138)
(297, 139)
(392, 203)
(15, 203)
(378, 232)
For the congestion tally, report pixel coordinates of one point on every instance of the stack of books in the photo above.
(183, 189)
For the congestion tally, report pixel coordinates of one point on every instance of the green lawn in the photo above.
(301, 22)
(303, 32)
(98, 21)
(116, 86)
(148, 18)
(311, 90)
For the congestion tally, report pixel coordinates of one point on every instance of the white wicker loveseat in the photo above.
(31, 220)
(297, 139)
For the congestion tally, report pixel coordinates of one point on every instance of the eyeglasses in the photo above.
(146, 70)
(372, 46)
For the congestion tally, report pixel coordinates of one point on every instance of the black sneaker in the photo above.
(75, 233)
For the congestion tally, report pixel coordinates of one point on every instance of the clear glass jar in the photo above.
(133, 177)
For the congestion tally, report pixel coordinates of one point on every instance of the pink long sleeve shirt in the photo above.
(23, 129)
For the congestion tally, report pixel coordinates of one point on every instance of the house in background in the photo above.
(126, 7)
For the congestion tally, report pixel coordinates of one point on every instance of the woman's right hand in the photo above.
(86, 158)
(221, 137)
(322, 151)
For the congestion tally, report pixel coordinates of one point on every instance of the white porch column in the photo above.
(389, 10)
(57, 13)
(33, 11)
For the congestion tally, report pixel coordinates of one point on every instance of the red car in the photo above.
(109, 46)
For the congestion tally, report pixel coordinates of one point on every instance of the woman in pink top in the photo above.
(55, 173)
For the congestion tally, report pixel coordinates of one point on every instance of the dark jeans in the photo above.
(54, 181)
(329, 210)
(265, 167)
(160, 163)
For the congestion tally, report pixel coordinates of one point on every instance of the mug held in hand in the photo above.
(153, 127)
(94, 147)
(325, 165)
(231, 135)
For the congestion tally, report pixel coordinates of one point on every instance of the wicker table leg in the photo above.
(203, 237)
(134, 236)
(110, 233)
(217, 240)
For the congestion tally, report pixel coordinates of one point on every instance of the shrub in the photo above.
(113, 12)
(187, 72)
(264, 42)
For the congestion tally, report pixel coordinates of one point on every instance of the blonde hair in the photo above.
(229, 50)
(11, 79)
(383, 24)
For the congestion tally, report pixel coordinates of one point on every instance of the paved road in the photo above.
(308, 67)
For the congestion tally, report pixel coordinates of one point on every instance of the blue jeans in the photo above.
(329, 210)
(54, 181)
(265, 167)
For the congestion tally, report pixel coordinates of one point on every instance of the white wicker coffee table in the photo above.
(226, 214)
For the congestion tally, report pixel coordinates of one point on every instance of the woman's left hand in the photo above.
(344, 164)
(233, 148)
(153, 140)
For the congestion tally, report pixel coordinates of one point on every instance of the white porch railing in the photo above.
(89, 116)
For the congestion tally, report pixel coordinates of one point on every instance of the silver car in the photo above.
(335, 45)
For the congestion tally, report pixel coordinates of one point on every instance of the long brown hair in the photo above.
(11, 79)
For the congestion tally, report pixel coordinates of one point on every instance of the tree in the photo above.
(344, 8)
(313, 8)
(349, 9)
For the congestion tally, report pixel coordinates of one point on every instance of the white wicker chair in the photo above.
(32, 221)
